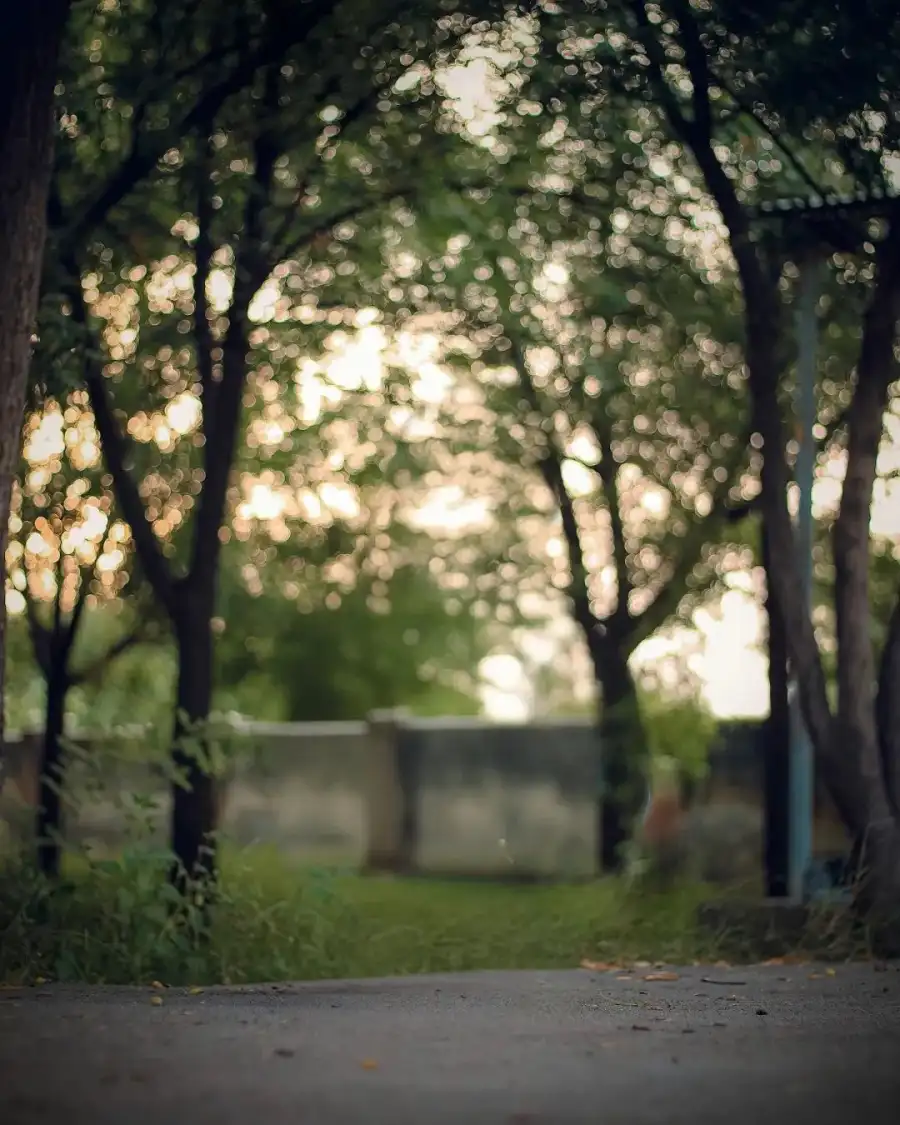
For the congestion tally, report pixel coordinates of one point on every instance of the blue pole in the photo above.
(802, 772)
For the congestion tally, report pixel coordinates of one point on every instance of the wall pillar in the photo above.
(390, 794)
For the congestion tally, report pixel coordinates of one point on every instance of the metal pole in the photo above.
(802, 773)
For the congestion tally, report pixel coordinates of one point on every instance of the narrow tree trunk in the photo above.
(29, 48)
(776, 745)
(49, 813)
(193, 796)
(623, 746)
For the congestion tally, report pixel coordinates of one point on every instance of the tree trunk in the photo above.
(49, 813)
(849, 748)
(29, 48)
(193, 821)
(623, 746)
(776, 745)
(878, 889)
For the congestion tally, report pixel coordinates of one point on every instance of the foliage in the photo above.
(340, 652)
(216, 216)
(680, 729)
(601, 349)
(68, 551)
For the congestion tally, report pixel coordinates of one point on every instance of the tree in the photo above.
(68, 549)
(704, 72)
(29, 51)
(278, 159)
(605, 351)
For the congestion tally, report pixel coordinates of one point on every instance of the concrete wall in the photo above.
(452, 795)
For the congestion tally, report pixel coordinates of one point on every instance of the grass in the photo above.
(110, 923)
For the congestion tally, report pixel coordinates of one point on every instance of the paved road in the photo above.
(741, 1047)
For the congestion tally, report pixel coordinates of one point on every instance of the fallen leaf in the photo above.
(369, 1064)
(40, 980)
(157, 984)
(598, 966)
(831, 972)
(661, 976)
(156, 1000)
(194, 991)
(815, 976)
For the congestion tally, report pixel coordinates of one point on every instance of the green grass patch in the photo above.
(110, 922)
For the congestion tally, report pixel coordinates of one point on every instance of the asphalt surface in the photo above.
(766, 1045)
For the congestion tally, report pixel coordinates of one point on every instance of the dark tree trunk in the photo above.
(29, 48)
(776, 746)
(849, 746)
(193, 823)
(623, 746)
(49, 814)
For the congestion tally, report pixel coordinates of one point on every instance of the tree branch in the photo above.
(56, 629)
(608, 472)
(865, 424)
(656, 57)
(86, 573)
(116, 447)
(346, 214)
(203, 254)
(146, 152)
(795, 162)
(251, 267)
(698, 68)
(550, 465)
(96, 668)
(701, 531)
(39, 633)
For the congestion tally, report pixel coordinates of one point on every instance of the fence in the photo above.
(393, 793)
